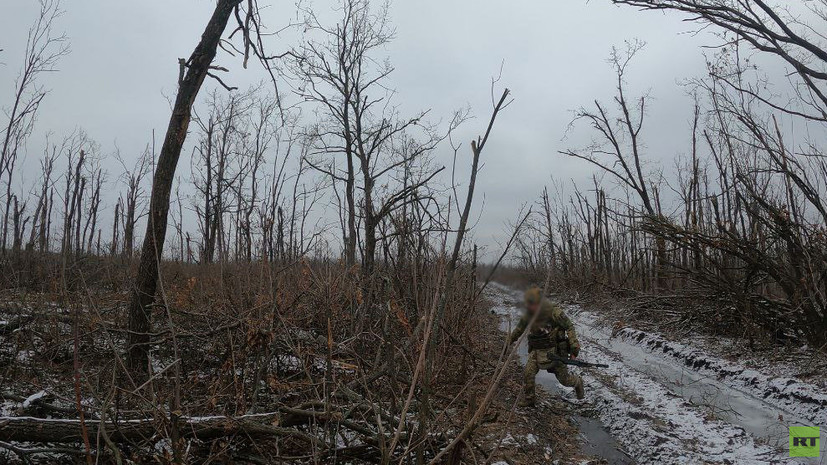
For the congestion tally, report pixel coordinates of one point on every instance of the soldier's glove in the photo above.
(574, 350)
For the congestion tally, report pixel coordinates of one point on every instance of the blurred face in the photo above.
(533, 307)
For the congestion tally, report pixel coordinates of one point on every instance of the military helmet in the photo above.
(533, 295)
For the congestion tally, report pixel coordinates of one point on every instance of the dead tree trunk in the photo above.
(114, 247)
(71, 431)
(146, 280)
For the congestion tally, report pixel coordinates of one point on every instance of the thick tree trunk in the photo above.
(129, 228)
(143, 293)
(114, 248)
(350, 243)
(368, 264)
(371, 222)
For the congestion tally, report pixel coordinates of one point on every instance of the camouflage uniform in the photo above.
(556, 332)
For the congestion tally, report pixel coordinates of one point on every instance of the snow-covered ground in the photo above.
(670, 403)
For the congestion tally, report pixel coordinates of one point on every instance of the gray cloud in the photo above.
(124, 63)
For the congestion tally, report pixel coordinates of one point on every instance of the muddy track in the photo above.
(663, 402)
(788, 394)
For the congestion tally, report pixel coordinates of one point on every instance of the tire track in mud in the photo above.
(657, 425)
(661, 410)
(791, 395)
(753, 421)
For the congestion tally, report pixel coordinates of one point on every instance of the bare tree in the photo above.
(219, 166)
(131, 209)
(192, 73)
(77, 150)
(342, 74)
(42, 215)
(43, 51)
(271, 207)
(618, 149)
(90, 226)
(262, 136)
(745, 237)
(771, 29)
(328, 72)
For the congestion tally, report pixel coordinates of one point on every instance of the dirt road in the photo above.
(662, 402)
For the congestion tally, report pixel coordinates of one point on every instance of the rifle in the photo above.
(577, 363)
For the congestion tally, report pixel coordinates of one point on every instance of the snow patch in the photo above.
(32, 399)
(803, 399)
(669, 403)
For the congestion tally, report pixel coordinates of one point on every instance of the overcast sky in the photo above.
(123, 68)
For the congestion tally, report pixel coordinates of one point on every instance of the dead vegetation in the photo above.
(260, 333)
(255, 336)
(729, 238)
(250, 363)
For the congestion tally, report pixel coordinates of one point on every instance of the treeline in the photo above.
(261, 171)
(322, 343)
(734, 240)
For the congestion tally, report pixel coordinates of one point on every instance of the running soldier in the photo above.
(551, 335)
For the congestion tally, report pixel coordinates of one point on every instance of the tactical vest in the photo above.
(548, 337)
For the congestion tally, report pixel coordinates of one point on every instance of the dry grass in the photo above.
(299, 340)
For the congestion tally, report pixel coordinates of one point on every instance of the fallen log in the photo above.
(43, 430)
(29, 406)
(8, 327)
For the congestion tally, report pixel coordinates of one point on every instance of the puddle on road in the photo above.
(595, 440)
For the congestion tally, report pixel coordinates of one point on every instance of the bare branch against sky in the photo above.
(119, 80)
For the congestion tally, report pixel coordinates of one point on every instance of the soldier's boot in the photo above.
(568, 379)
(529, 396)
(578, 388)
